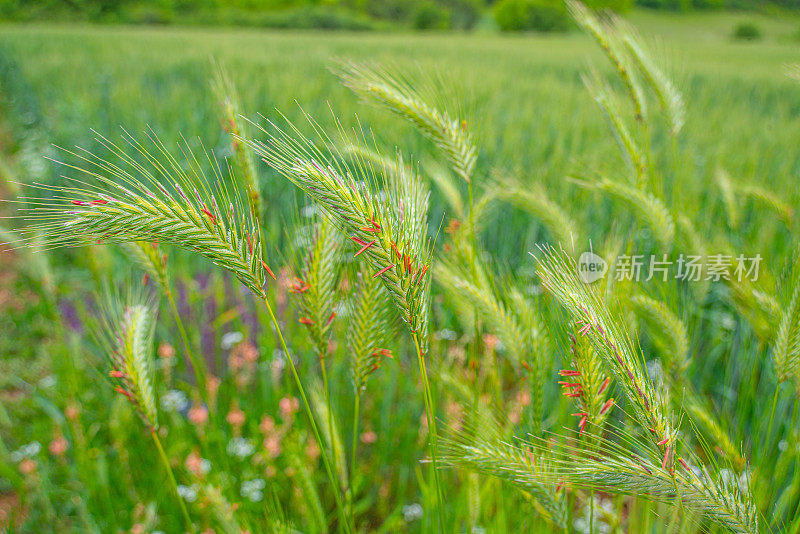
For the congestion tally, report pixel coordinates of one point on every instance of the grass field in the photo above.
(96, 467)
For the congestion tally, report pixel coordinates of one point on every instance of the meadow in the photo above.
(719, 362)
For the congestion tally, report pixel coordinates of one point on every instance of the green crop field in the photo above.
(191, 399)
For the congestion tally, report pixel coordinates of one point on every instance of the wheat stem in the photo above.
(172, 480)
(432, 433)
(356, 407)
(772, 413)
(307, 407)
(198, 364)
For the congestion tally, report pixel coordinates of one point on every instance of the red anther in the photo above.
(386, 353)
(79, 203)
(330, 319)
(99, 201)
(422, 272)
(394, 247)
(666, 457)
(116, 374)
(582, 425)
(145, 279)
(684, 464)
(306, 321)
(663, 442)
(359, 241)
(607, 406)
(269, 271)
(569, 372)
(365, 247)
(604, 385)
(376, 275)
(211, 216)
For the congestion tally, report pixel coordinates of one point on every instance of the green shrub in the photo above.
(526, 15)
(464, 14)
(617, 6)
(667, 5)
(430, 16)
(746, 31)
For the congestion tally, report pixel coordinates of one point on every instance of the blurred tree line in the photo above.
(510, 15)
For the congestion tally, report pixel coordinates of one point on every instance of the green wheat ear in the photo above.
(400, 95)
(489, 451)
(162, 199)
(669, 97)
(383, 212)
(317, 273)
(786, 348)
(610, 340)
(369, 327)
(534, 200)
(231, 114)
(609, 41)
(648, 208)
(125, 332)
(149, 257)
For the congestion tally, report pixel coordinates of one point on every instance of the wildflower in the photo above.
(412, 512)
(72, 411)
(174, 400)
(240, 448)
(230, 339)
(198, 415)
(166, 351)
(58, 446)
(194, 463)
(235, 417)
(267, 425)
(446, 334)
(27, 466)
(369, 437)
(491, 341)
(249, 352)
(188, 493)
(253, 489)
(26, 451)
(273, 446)
(312, 450)
(288, 406)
